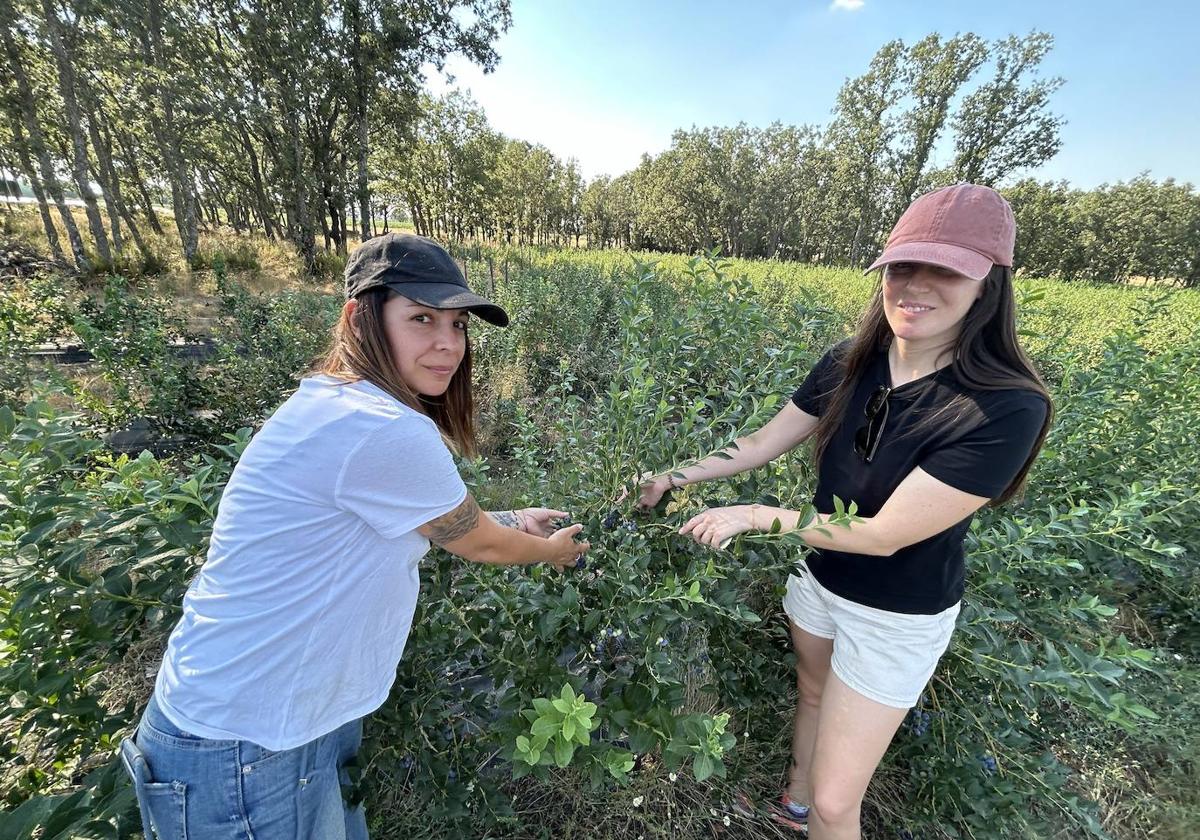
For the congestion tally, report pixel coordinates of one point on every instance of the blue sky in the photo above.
(604, 82)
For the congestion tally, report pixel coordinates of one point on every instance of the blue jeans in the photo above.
(204, 789)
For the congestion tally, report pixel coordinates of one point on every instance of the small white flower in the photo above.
(725, 820)
(712, 811)
(673, 776)
(637, 801)
(470, 786)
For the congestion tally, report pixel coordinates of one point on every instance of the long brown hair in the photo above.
(359, 349)
(987, 356)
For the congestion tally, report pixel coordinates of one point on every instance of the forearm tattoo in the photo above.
(454, 525)
(508, 518)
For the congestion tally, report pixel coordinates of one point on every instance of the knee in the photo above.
(835, 807)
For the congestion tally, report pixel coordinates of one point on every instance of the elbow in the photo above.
(751, 451)
(887, 546)
(880, 545)
(490, 555)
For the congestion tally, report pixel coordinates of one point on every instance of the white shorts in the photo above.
(885, 656)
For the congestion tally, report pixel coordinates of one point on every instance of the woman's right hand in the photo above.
(565, 552)
(652, 489)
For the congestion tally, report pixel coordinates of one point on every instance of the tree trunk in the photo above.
(130, 160)
(106, 175)
(102, 142)
(37, 141)
(361, 96)
(303, 229)
(183, 191)
(79, 157)
(256, 178)
(36, 186)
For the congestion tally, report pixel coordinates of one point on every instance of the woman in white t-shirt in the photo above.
(293, 628)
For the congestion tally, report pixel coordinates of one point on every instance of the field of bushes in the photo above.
(638, 696)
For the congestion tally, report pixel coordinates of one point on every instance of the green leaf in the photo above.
(563, 750)
(545, 727)
(702, 767)
(1142, 712)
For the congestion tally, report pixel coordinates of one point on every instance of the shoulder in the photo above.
(361, 413)
(838, 352)
(1007, 401)
(834, 359)
(364, 399)
(1002, 413)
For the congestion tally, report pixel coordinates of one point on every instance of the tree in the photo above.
(1005, 125)
(934, 73)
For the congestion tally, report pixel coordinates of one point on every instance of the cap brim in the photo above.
(451, 296)
(954, 257)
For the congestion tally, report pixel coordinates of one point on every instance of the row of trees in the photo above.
(246, 112)
(1139, 229)
(457, 178)
(809, 193)
(800, 192)
(304, 123)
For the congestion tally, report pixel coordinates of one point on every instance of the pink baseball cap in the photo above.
(965, 228)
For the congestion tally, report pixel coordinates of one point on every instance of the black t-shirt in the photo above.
(978, 447)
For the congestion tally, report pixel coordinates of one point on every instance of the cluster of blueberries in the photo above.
(989, 764)
(612, 520)
(919, 721)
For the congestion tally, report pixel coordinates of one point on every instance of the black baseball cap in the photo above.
(419, 269)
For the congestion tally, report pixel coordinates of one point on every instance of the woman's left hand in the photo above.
(540, 521)
(717, 526)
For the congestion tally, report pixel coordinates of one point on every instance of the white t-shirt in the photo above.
(296, 622)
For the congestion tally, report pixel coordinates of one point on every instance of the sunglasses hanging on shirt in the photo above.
(866, 439)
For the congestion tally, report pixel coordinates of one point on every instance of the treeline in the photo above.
(250, 113)
(827, 195)
(306, 123)
(1139, 229)
(457, 178)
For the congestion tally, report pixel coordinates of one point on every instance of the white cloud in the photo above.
(847, 5)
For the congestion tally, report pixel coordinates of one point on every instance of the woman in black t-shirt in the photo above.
(929, 412)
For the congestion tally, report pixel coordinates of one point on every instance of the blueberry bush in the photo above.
(641, 692)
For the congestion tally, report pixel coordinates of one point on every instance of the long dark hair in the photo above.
(987, 356)
(359, 349)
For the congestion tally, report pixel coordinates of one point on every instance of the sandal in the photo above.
(790, 814)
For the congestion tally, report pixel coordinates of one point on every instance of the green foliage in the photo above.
(133, 336)
(31, 314)
(95, 552)
(556, 727)
(1137, 230)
